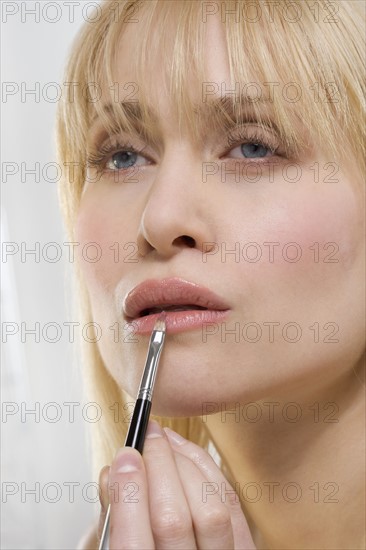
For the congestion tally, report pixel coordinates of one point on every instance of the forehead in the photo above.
(160, 52)
(158, 65)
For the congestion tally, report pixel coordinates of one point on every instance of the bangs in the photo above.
(289, 70)
(296, 60)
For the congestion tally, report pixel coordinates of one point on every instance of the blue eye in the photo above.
(254, 150)
(123, 159)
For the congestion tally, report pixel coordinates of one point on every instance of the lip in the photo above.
(173, 291)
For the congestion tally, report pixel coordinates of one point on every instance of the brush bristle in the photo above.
(160, 322)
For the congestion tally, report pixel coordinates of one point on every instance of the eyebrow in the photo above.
(225, 111)
(229, 104)
(132, 110)
(229, 110)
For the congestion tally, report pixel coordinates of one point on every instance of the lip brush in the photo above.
(141, 413)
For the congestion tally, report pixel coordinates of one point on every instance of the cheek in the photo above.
(326, 227)
(306, 229)
(105, 250)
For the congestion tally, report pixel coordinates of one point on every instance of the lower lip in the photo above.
(179, 321)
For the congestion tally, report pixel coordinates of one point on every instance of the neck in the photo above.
(297, 465)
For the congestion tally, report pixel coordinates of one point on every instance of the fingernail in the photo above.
(126, 462)
(175, 438)
(154, 430)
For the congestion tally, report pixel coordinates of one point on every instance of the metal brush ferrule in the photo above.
(151, 365)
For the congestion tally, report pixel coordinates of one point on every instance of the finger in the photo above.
(171, 520)
(103, 498)
(128, 495)
(216, 483)
(211, 517)
(103, 487)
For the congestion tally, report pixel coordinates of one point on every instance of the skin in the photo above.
(325, 378)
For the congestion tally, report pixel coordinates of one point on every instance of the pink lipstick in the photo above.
(188, 306)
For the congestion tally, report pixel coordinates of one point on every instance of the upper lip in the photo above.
(168, 292)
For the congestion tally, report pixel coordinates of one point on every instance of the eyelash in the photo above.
(100, 157)
(253, 136)
(102, 154)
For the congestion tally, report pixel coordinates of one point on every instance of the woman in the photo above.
(217, 149)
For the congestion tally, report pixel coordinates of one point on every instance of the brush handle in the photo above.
(104, 541)
(138, 426)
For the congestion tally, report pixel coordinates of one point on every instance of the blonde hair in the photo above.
(320, 50)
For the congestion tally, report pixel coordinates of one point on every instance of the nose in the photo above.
(178, 212)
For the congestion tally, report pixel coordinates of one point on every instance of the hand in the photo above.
(175, 496)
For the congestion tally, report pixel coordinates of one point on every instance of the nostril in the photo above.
(187, 240)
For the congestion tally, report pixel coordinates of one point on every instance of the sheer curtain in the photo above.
(47, 491)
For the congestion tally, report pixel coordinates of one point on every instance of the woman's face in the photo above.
(287, 260)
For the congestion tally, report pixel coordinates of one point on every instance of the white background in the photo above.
(35, 450)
